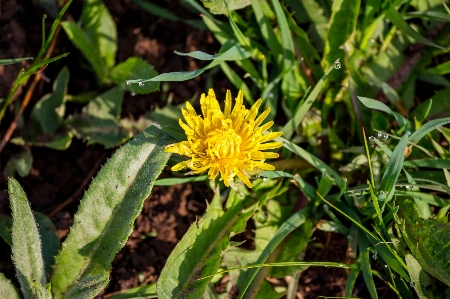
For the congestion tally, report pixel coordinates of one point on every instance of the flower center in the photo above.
(223, 143)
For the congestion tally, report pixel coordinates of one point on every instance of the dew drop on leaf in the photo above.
(371, 138)
(128, 83)
(337, 64)
(261, 217)
(375, 256)
(141, 84)
(412, 284)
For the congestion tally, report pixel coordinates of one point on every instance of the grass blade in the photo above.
(291, 85)
(26, 245)
(398, 21)
(14, 60)
(341, 26)
(428, 127)
(233, 53)
(146, 291)
(432, 163)
(174, 181)
(285, 229)
(290, 127)
(311, 159)
(393, 168)
(364, 260)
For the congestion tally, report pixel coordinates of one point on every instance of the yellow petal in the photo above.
(266, 126)
(262, 117)
(266, 166)
(270, 145)
(244, 178)
(180, 166)
(271, 155)
(228, 104)
(270, 136)
(190, 109)
(253, 111)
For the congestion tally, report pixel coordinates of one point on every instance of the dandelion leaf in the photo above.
(219, 6)
(428, 240)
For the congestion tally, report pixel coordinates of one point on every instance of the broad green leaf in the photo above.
(290, 127)
(220, 7)
(20, 163)
(49, 240)
(287, 227)
(26, 245)
(59, 142)
(99, 121)
(198, 254)
(233, 53)
(88, 287)
(398, 21)
(393, 168)
(7, 289)
(100, 30)
(342, 23)
(14, 60)
(420, 280)
(49, 110)
(146, 291)
(5, 229)
(428, 127)
(106, 214)
(428, 240)
(134, 68)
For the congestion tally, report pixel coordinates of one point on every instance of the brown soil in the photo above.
(57, 175)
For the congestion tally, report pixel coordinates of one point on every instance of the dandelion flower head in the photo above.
(230, 142)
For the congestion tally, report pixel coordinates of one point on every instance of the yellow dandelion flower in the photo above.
(230, 142)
